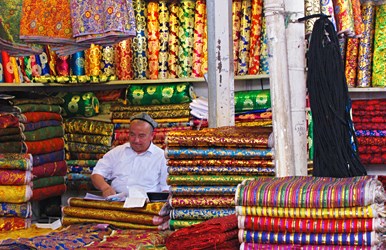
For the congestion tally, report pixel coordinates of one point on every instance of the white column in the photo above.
(220, 75)
(280, 90)
(297, 80)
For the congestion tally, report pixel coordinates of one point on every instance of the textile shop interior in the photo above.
(250, 163)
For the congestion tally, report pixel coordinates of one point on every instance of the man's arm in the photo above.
(99, 182)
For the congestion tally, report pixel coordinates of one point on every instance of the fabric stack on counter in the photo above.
(154, 215)
(304, 212)
(167, 104)
(11, 131)
(43, 132)
(87, 140)
(369, 117)
(252, 109)
(107, 99)
(15, 190)
(206, 165)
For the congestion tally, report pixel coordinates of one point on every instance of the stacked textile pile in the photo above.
(217, 233)
(43, 132)
(206, 165)
(312, 212)
(252, 108)
(87, 140)
(15, 190)
(154, 215)
(11, 135)
(167, 104)
(369, 117)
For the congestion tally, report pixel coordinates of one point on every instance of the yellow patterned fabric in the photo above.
(15, 194)
(66, 221)
(84, 126)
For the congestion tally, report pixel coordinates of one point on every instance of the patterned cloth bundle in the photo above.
(167, 104)
(15, 190)
(87, 140)
(321, 212)
(205, 167)
(43, 136)
(369, 122)
(154, 215)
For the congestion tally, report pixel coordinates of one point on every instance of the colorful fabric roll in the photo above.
(357, 16)
(174, 93)
(371, 211)
(311, 192)
(93, 57)
(48, 181)
(178, 224)
(39, 159)
(16, 161)
(13, 147)
(379, 53)
(107, 60)
(199, 25)
(236, 22)
(174, 44)
(40, 116)
(77, 62)
(228, 136)
(252, 100)
(15, 177)
(202, 190)
(15, 194)
(86, 148)
(344, 17)
(209, 170)
(163, 20)
(48, 191)
(350, 239)
(32, 107)
(186, 38)
(83, 163)
(264, 65)
(62, 66)
(218, 153)
(91, 139)
(351, 64)
(48, 100)
(327, 8)
(244, 41)
(150, 108)
(153, 36)
(45, 146)
(207, 180)
(123, 55)
(23, 210)
(84, 126)
(204, 66)
(13, 223)
(200, 213)
(1, 70)
(202, 201)
(57, 168)
(256, 246)
(7, 67)
(311, 7)
(255, 37)
(67, 220)
(291, 225)
(44, 133)
(81, 104)
(140, 40)
(153, 114)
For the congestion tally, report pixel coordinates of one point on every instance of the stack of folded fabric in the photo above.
(167, 104)
(369, 117)
(11, 135)
(252, 108)
(43, 132)
(87, 140)
(206, 165)
(154, 215)
(314, 212)
(16, 192)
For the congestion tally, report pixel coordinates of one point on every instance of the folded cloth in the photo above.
(206, 235)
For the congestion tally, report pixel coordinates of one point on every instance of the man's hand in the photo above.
(108, 191)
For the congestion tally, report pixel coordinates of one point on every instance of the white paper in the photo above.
(54, 225)
(136, 198)
(94, 197)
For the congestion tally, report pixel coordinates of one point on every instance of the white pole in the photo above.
(220, 76)
(279, 85)
(297, 79)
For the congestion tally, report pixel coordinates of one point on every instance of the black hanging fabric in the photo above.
(335, 144)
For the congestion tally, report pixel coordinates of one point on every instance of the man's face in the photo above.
(140, 135)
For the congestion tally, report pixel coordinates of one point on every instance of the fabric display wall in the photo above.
(369, 117)
(87, 140)
(43, 138)
(252, 109)
(311, 213)
(206, 165)
(153, 216)
(15, 190)
(167, 104)
(148, 40)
